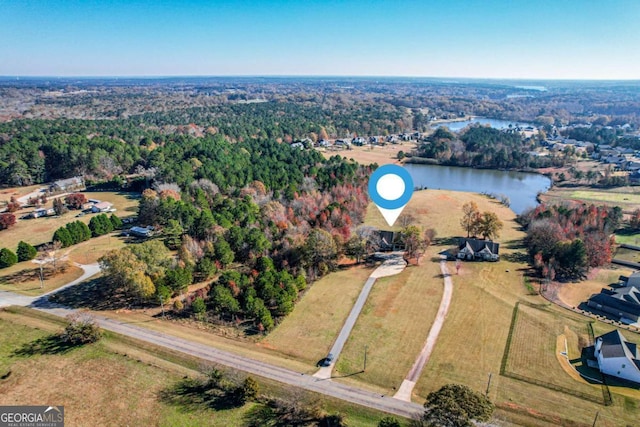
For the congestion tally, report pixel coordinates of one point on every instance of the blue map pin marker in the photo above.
(390, 188)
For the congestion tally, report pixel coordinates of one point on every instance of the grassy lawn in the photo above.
(24, 278)
(393, 325)
(534, 348)
(627, 255)
(119, 381)
(40, 230)
(606, 196)
(308, 333)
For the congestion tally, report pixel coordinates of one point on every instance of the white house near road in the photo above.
(618, 357)
(101, 207)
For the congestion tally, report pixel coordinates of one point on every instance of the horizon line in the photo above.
(351, 76)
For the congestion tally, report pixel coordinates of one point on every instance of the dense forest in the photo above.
(483, 147)
(564, 241)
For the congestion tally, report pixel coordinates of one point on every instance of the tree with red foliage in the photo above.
(7, 220)
(13, 205)
(75, 200)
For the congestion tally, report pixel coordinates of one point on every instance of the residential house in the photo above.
(101, 207)
(358, 141)
(389, 241)
(477, 249)
(143, 232)
(298, 145)
(622, 303)
(343, 143)
(69, 184)
(617, 357)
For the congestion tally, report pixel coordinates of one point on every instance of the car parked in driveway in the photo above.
(327, 360)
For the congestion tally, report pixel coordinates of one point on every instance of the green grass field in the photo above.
(606, 196)
(120, 381)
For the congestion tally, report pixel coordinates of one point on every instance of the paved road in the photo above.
(392, 266)
(406, 388)
(257, 367)
(252, 366)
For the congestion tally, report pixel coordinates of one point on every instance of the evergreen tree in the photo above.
(63, 236)
(7, 258)
(25, 251)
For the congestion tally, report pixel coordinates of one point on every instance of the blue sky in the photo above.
(557, 39)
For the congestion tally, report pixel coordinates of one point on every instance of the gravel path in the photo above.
(406, 388)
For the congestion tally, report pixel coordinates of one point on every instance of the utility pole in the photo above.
(365, 359)
(488, 385)
(161, 304)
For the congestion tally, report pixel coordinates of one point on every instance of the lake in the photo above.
(494, 123)
(520, 187)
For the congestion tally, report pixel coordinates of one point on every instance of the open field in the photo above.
(629, 238)
(308, 333)
(120, 381)
(366, 155)
(40, 230)
(24, 278)
(628, 198)
(393, 325)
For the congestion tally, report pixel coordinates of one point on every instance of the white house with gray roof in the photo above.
(618, 357)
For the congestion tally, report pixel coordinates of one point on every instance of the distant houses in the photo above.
(622, 302)
(477, 249)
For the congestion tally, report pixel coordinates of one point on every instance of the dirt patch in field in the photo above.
(387, 303)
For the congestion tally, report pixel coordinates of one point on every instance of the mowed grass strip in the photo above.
(393, 326)
(309, 331)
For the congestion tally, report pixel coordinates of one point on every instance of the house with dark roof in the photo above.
(390, 241)
(617, 357)
(69, 184)
(622, 303)
(477, 249)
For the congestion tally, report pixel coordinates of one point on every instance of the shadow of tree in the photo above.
(519, 257)
(446, 241)
(96, 294)
(197, 394)
(52, 344)
(514, 244)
